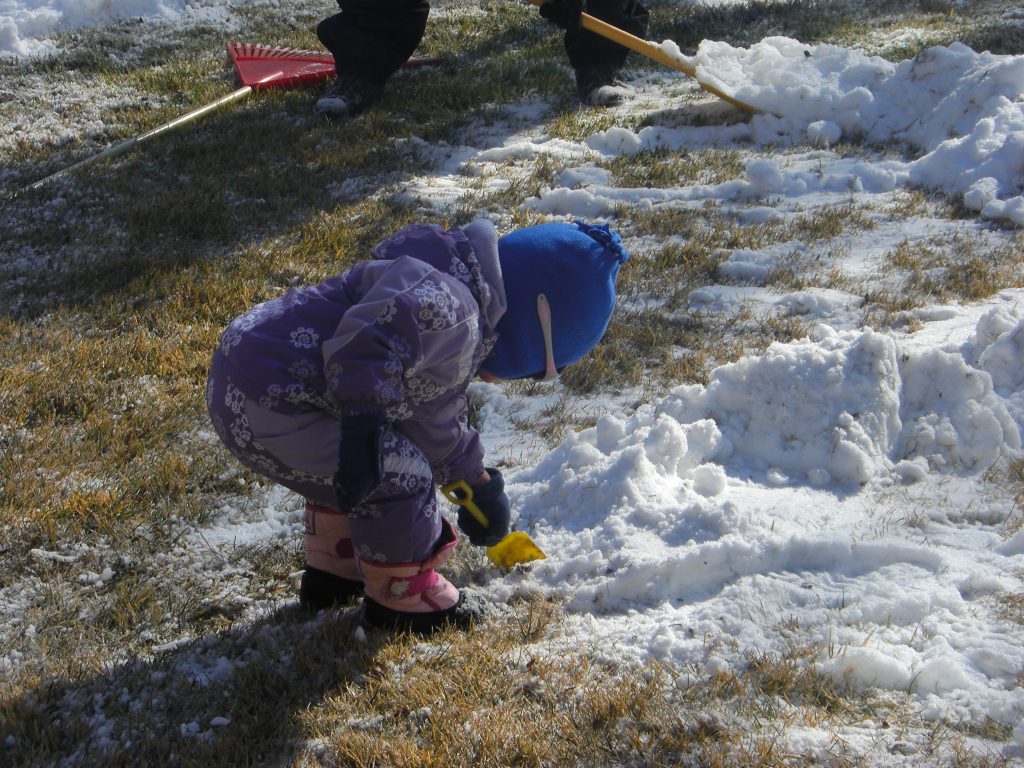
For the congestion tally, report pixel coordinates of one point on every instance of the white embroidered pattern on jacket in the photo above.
(386, 392)
(273, 397)
(234, 398)
(389, 388)
(437, 306)
(260, 313)
(419, 389)
(387, 314)
(460, 271)
(466, 267)
(333, 373)
(393, 366)
(303, 369)
(299, 393)
(241, 432)
(398, 412)
(308, 477)
(305, 338)
(264, 464)
(364, 552)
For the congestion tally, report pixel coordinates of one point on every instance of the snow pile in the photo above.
(839, 410)
(963, 110)
(836, 410)
(998, 348)
(721, 509)
(26, 25)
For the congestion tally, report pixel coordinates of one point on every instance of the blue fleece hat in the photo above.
(574, 266)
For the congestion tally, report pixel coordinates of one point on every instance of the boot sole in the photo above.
(382, 617)
(320, 590)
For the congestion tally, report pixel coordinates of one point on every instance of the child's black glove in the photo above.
(488, 499)
(564, 13)
(359, 458)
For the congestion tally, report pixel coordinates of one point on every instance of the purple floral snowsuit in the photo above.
(402, 335)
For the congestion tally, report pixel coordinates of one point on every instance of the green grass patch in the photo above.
(664, 168)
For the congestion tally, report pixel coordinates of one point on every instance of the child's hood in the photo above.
(469, 254)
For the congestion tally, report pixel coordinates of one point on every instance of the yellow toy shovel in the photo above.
(514, 549)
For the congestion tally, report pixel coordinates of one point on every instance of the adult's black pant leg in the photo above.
(373, 38)
(586, 49)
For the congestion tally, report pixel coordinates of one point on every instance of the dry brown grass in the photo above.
(105, 461)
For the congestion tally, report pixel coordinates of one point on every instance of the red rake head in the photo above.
(262, 67)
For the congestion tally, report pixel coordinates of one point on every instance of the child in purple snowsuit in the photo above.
(353, 393)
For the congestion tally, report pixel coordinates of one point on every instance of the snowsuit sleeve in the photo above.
(450, 444)
(407, 348)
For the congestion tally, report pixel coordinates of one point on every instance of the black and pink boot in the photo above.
(414, 597)
(332, 575)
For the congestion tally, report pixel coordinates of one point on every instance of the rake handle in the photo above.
(123, 146)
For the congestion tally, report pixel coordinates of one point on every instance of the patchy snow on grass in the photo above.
(834, 483)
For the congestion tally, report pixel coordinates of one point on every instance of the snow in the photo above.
(962, 110)
(27, 27)
(834, 482)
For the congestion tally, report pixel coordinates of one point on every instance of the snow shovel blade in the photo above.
(263, 66)
(512, 550)
(652, 51)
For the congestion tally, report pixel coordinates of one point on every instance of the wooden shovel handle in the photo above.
(651, 51)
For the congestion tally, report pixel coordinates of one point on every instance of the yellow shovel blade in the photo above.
(514, 549)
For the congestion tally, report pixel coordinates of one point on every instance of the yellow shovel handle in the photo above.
(465, 500)
(515, 548)
(651, 51)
